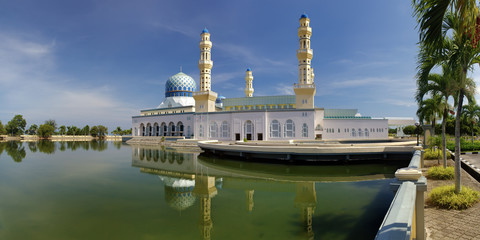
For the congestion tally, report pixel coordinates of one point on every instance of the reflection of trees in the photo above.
(46, 146)
(62, 147)
(98, 145)
(32, 146)
(15, 150)
(117, 144)
(2, 147)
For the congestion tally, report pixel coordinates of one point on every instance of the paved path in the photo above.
(453, 224)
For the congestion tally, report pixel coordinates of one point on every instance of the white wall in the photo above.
(342, 129)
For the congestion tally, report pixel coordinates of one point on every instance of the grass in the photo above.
(431, 154)
(445, 197)
(441, 173)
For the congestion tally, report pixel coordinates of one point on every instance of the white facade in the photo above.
(355, 129)
(201, 115)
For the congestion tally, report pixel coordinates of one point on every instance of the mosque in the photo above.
(205, 115)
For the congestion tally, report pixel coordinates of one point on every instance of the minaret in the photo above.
(305, 89)
(249, 83)
(205, 64)
(205, 98)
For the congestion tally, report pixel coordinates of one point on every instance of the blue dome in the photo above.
(304, 16)
(180, 84)
(205, 30)
(220, 99)
(248, 69)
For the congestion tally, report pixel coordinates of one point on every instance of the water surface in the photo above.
(107, 190)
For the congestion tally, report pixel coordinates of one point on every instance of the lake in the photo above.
(111, 190)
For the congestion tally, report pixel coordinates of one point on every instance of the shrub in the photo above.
(441, 173)
(245, 140)
(431, 154)
(445, 197)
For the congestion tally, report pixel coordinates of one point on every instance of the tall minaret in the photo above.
(205, 64)
(249, 83)
(205, 97)
(305, 89)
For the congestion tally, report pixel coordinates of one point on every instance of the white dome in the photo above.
(172, 102)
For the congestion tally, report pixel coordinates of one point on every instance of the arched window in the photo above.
(360, 133)
(289, 128)
(248, 129)
(225, 128)
(200, 131)
(171, 129)
(275, 129)
(354, 134)
(163, 129)
(304, 130)
(366, 132)
(213, 129)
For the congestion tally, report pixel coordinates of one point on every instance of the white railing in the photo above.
(309, 51)
(297, 85)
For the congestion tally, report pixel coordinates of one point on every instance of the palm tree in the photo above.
(462, 55)
(457, 50)
(431, 13)
(435, 84)
(471, 114)
(430, 109)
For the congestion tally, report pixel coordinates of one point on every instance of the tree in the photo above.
(52, 123)
(16, 126)
(45, 131)
(455, 44)
(3, 131)
(72, 130)
(117, 131)
(94, 131)
(127, 132)
(33, 129)
(430, 15)
(471, 114)
(86, 130)
(62, 130)
(430, 109)
(435, 85)
(102, 131)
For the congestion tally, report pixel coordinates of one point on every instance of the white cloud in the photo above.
(30, 85)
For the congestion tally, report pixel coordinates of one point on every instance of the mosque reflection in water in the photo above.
(187, 180)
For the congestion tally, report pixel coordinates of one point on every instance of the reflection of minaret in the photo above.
(205, 190)
(249, 194)
(306, 200)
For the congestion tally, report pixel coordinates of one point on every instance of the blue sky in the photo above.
(100, 62)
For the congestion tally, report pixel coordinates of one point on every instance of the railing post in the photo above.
(422, 152)
(412, 174)
(421, 185)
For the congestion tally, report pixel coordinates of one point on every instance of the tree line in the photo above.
(17, 126)
(449, 48)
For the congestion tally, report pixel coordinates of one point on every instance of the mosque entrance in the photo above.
(260, 136)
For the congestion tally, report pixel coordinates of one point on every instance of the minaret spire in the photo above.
(205, 97)
(205, 63)
(249, 83)
(305, 89)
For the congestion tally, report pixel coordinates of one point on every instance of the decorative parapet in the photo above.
(307, 51)
(296, 85)
(405, 218)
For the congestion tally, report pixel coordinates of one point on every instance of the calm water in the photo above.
(107, 190)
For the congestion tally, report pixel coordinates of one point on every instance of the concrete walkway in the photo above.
(453, 224)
